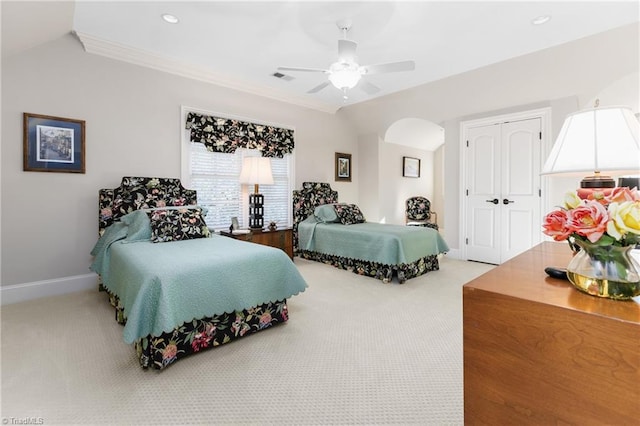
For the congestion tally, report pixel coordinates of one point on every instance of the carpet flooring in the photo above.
(354, 351)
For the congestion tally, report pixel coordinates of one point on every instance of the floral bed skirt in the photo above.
(200, 334)
(380, 271)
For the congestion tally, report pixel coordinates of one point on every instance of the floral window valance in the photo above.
(226, 135)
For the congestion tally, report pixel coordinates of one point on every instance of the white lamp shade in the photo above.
(256, 170)
(596, 140)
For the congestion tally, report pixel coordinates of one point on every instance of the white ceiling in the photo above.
(240, 44)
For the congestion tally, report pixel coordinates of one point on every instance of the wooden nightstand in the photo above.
(280, 238)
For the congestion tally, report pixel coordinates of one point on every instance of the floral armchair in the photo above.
(418, 213)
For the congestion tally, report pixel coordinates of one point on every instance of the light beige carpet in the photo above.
(355, 351)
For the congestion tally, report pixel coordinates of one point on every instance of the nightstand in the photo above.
(280, 238)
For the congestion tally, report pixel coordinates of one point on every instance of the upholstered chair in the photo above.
(418, 213)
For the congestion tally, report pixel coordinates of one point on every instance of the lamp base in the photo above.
(256, 211)
(597, 181)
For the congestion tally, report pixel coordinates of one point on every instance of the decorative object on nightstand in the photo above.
(257, 171)
(273, 226)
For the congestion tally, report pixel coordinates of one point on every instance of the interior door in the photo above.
(483, 192)
(503, 190)
(520, 195)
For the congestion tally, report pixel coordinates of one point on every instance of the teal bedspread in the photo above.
(375, 242)
(162, 285)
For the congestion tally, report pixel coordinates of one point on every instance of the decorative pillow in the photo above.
(326, 213)
(349, 214)
(177, 224)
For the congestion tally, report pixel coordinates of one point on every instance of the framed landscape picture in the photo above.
(53, 144)
(343, 167)
(410, 167)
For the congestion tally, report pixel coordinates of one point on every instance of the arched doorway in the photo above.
(422, 139)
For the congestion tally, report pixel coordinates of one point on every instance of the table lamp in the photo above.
(596, 140)
(256, 171)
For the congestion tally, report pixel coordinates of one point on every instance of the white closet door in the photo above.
(520, 212)
(503, 180)
(483, 186)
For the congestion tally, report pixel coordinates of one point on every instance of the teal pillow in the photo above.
(326, 213)
(138, 225)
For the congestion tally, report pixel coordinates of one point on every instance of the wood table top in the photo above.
(523, 277)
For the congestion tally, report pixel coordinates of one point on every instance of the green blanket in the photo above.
(162, 285)
(375, 242)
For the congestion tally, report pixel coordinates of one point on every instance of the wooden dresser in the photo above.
(280, 238)
(539, 352)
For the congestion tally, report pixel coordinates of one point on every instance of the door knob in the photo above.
(494, 201)
(505, 201)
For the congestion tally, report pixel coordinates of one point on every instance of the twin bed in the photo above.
(179, 288)
(338, 234)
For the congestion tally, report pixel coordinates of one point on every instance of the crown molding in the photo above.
(124, 53)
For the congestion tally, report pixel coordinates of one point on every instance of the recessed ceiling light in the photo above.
(542, 19)
(172, 19)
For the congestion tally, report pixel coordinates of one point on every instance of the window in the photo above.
(215, 176)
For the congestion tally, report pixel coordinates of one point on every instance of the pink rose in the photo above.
(589, 220)
(556, 225)
(622, 194)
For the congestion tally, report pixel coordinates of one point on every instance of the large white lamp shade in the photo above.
(597, 140)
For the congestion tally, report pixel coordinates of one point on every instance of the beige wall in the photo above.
(395, 188)
(133, 127)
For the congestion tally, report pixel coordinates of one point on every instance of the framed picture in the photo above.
(343, 167)
(53, 144)
(410, 167)
(234, 223)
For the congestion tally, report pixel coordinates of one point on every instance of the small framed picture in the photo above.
(343, 167)
(410, 167)
(53, 144)
(234, 223)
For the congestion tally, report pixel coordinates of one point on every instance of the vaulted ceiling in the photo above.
(241, 44)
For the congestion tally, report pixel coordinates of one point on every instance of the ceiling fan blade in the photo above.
(319, 87)
(368, 88)
(302, 69)
(347, 50)
(390, 67)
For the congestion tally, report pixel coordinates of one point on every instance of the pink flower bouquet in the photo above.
(603, 220)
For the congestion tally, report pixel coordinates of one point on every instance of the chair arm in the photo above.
(434, 215)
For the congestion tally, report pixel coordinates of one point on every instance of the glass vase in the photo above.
(605, 271)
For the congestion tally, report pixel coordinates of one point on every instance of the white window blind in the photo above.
(216, 176)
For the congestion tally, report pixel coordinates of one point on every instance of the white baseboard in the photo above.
(455, 254)
(22, 292)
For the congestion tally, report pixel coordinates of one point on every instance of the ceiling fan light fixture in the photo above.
(344, 76)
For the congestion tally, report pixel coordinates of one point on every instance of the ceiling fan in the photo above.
(346, 73)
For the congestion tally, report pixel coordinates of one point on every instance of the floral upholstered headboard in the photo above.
(135, 193)
(305, 201)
